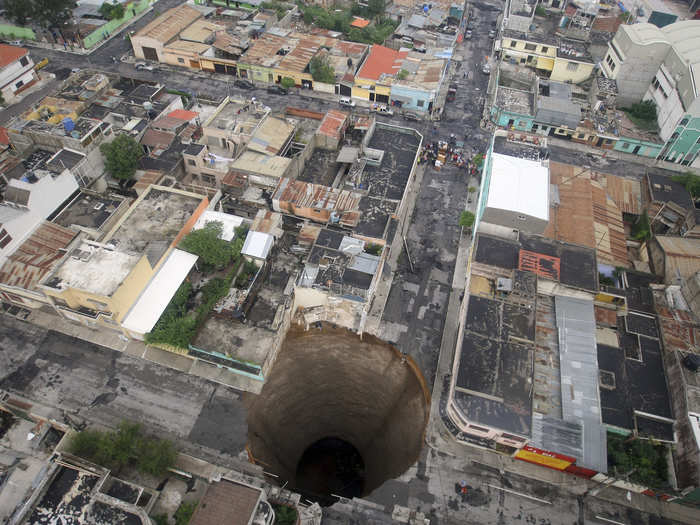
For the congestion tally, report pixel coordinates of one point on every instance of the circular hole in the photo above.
(335, 400)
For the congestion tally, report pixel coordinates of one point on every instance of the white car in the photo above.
(486, 69)
(383, 110)
(142, 66)
(346, 101)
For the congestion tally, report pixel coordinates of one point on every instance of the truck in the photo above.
(452, 93)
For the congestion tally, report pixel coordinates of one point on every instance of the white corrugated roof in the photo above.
(144, 314)
(257, 244)
(519, 185)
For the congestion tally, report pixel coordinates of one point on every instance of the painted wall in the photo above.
(646, 149)
(571, 71)
(683, 146)
(420, 99)
(520, 122)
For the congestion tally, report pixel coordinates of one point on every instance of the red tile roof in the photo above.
(4, 137)
(36, 256)
(360, 22)
(183, 114)
(9, 54)
(381, 60)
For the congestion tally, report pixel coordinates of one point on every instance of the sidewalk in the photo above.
(117, 341)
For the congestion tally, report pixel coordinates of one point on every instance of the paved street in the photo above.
(102, 386)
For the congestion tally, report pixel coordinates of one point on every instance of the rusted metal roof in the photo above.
(333, 123)
(263, 51)
(36, 256)
(299, 57)
(154, 138)
(169, 24)
(309, 195)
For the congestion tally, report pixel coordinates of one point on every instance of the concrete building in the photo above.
(555, 52)
(16, 71)
(149, 42)
(100, 282)
(514, 191)
(660, 64)
(669, 206)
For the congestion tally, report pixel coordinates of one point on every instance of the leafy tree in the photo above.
(321, 69)
(53, 13)
(288, 82)
(19, 11)
(113, 11)
(122, 156)
(644, 110)
(284, 515)
(124, 447)
(173, 330)
(157, 456)
(645, 460)
(466, 219)
(375, 7)
(208, 244)
(641, 230)
(160, 519)
(184, 512)
(401, 75)
(691, 183)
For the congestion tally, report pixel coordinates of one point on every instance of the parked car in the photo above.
(486, 69)
(346, 101)
(243, 84)
(382, 109)
(142, 66)
(468, 34)
(41, 64)
(75, 70)
(492, 33)
(407, 115)
(14, 42)
(277, 90)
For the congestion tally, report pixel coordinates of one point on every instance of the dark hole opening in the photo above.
(330, 467)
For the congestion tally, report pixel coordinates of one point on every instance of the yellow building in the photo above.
(557, 58)
(98, 282)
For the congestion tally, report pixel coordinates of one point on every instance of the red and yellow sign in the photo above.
(543, 457)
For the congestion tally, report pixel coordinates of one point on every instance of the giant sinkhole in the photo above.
(338, 415)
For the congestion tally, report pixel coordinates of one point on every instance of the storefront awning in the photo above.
(545, 63)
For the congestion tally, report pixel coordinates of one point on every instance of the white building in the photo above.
(16, 71)
(663, 65)
(515, 194)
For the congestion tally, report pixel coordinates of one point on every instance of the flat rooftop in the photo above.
(494, 378)
(227, 503)
(94, 269)
(88, 210)
(519, 185)
(515, 100)
(387, 182)
(566, 263)
(157, 216)
(633, 381)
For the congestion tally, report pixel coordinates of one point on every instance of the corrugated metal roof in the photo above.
(37, 256)
(169, 24)
(332, 123)
(271, 136)
(558, 112)
(578, 356)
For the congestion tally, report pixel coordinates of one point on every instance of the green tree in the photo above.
(112, 11)
(122, 157)
(466, 219)
(321, 69)
(184, 512)
(284, 515)
(402, 74)
(19, 11)
(691, 183)
(644, 110)
(288, 82)
(53, 13)
(641, 230)
(208, 244)
(157, 456)
(375, 7)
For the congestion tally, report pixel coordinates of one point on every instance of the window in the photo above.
(535, 127)
(181, 60)
(606, 379)
(545, 49)
(19, 84)
(610, 62)
(522, 218)
(624, 145)
(420, 103)
(684, 122)
(478, 429)
(581, 135)
(191, 162)
(572, 66)
(208, 179)
(5, 238)
(530, 47)
(513, 43)
(23, 61)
